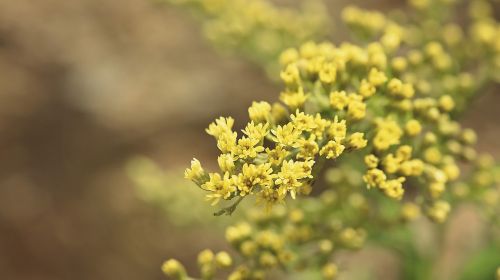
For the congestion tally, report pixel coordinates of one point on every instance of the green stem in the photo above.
(230, 209)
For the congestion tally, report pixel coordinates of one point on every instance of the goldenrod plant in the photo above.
(363, 141)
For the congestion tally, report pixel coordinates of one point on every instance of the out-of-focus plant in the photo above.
(167, 190)
(378, 118)
(259, 29)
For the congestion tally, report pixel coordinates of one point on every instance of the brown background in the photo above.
(86, 85)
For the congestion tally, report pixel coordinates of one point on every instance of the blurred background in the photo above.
(86, 86)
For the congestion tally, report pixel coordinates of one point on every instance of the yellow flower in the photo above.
(238, 232)
(413, 127)
(220, 127)
(452, 171)
(308, 148)
(357, 141)
(259, 111)
(414, 167)
(325, 246)
(399, 64)
(257, 132)
(395, 86)
(205, 257)
(268, 260)
(391, 163)
(247, 148)
(420, 4)
(220, 187)
(270, 197)
(432, 155)
(393, 188)
(294, 100)
(371, 161)
(248, 248)
(329, 271)
(376, 77)
(404, 152)
(289, 56)
(387, 134)
(303, 121)
(410, 211)
(469, 136)
(332, 149)
(226, 142)
(226, 162)
(374, 177)
(328, 73)
(291, 74)
(286, 135)
(352, 238)
(366, 89)
(173, 268)
(337, 130)
(407, 91)
(254, 175)
(223, 259)
(279, 112)
(290, 176)
(277, 155)
(439, 211)
(436, 189)
(196, 172)
(356, 110)
(446, 103)
(320, 126)
(338, 100)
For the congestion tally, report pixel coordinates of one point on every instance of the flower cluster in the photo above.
(273, 157)
(379, 120)
(440, 55)
(337, 100)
